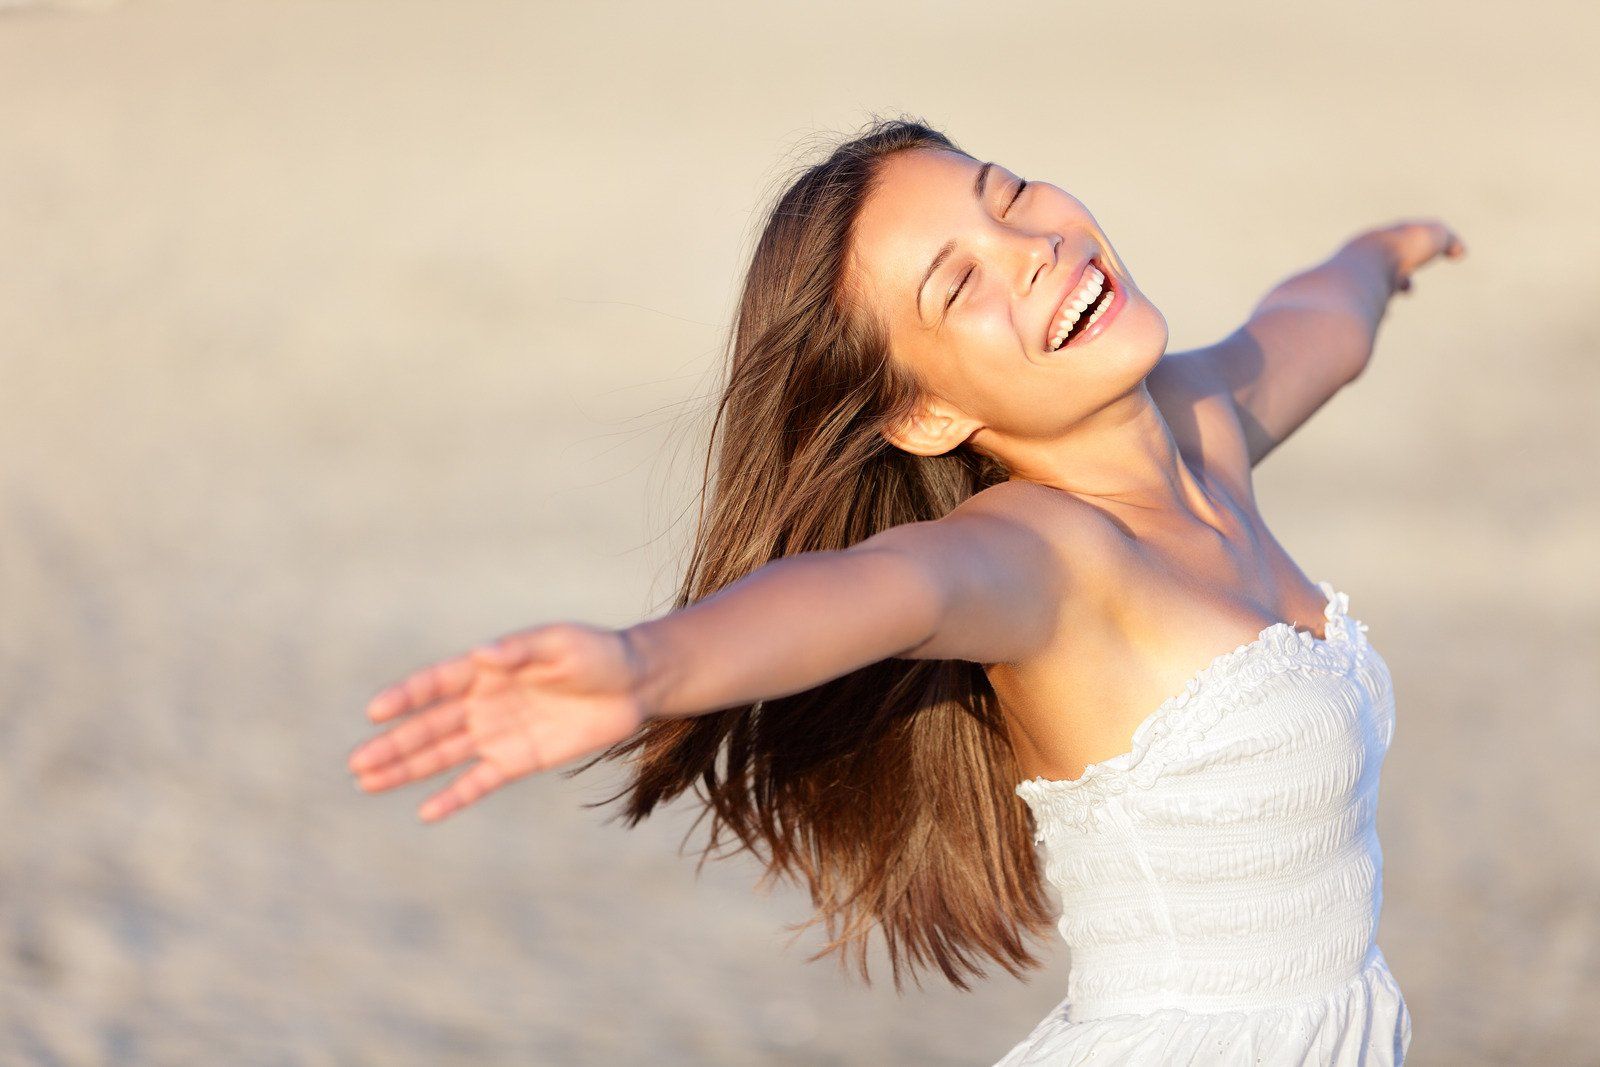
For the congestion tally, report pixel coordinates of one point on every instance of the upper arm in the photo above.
(1284, 363)
(997, 574)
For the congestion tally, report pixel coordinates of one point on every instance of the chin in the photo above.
(1156, 332)
(1139, 335)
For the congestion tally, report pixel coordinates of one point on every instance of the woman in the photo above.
(967, 525)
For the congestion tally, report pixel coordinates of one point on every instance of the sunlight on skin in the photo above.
(436, 739)
(978, 331)
(980, 335)
(528, 702)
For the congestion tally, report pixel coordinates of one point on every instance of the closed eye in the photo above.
(957, 290)
(1022, 184)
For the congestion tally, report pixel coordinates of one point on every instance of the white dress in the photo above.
(1221, 881)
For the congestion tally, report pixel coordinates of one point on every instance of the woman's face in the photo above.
(980, 327)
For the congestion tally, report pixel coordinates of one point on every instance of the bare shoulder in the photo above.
(1079, 536)
(1008, 562)
(1194, 398)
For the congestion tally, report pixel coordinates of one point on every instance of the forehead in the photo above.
(917, 203)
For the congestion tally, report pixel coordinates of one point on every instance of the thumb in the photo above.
(505, 652)
(517, 649)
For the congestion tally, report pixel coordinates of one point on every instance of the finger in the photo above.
(409, 737)
(450, 678)
(521, 648)
(1442, 237)
(443, 754)
(481, 779)
(1445, 240)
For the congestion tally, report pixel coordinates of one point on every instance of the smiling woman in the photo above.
(992, 266)
(965, 523)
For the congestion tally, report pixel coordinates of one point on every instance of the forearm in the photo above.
(1338, 304)
(793, 624)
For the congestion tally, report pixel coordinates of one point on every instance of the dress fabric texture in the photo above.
(1220, 882)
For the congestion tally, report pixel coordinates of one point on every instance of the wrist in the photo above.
(648, 668)
(1371, 266)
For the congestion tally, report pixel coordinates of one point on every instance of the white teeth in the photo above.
(1087, 294)
(1095, 314)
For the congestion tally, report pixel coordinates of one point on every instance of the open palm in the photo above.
(527, 702)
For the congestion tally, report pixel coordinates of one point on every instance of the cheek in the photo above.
(984, 359)
(1071, 205)
(987, 369)
(989, 324)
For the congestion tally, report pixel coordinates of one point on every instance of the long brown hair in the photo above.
(888, 791)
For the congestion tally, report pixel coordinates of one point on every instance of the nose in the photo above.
(1038, 253)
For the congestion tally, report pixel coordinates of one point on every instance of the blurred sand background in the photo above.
(337, 337)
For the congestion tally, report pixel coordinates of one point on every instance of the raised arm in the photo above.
(979, 584)
(1313, 333)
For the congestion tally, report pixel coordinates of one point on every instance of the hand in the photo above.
(1410, 244)
(528, 702)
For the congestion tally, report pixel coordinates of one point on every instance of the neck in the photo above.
(1123, 457)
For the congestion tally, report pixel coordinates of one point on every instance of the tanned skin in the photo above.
(1125, 551)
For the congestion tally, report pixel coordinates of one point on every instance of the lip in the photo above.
(1118, 298)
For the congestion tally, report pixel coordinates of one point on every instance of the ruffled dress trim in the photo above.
(1171, 731)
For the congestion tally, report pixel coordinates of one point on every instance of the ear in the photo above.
(935, 429)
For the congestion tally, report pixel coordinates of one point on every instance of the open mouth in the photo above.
(1083, 308)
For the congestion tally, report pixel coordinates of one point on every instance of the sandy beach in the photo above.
(339, 337)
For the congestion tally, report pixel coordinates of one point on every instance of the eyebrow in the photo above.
(950, 246)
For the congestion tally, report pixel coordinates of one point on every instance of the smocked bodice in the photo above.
(1229, 861)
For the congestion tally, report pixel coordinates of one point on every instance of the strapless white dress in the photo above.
(1220, 882)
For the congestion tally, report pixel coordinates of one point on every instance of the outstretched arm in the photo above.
(977, 584)
(1313, 333)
